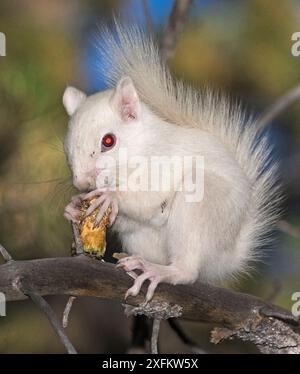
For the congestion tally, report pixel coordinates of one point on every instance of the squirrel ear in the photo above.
(72, 99)
(125, 100)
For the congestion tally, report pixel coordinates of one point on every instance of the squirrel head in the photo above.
(102, 125)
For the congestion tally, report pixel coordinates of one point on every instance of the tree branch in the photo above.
(22, 286)
(174, 27)
(272, 328)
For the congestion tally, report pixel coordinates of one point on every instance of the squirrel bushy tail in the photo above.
(128, 51)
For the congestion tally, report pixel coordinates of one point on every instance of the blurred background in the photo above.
(241, 47)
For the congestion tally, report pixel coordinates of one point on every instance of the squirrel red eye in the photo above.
(108, 141)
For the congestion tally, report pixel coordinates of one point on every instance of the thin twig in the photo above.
(78, 244)
(184, 337)
(67, 311)
(289, 229)
(42, 304)
(140, 335)
(7, 257)
(174, 27)
(278, 107)
(79, 251)
(147, 15)
(154, 336)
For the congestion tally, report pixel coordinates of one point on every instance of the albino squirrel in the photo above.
(147, 113)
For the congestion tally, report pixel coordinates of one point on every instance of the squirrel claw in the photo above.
(105, 200)
(150, 272)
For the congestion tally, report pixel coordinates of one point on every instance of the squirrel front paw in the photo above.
(105, 200)
(73, 210)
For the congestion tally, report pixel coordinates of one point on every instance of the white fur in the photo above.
(213, 239)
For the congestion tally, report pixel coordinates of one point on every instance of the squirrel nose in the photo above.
(81, 183)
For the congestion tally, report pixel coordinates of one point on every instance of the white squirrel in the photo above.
(149, 114)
